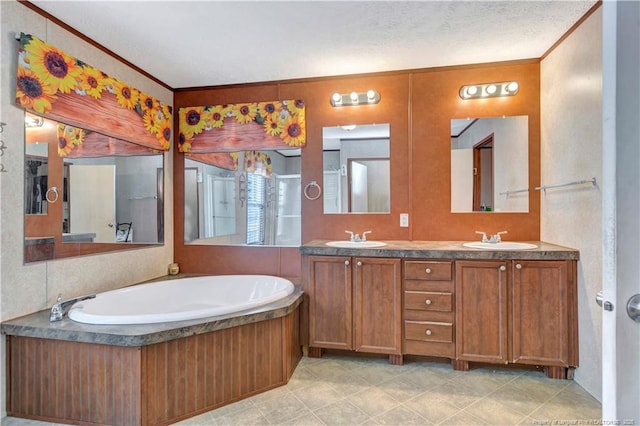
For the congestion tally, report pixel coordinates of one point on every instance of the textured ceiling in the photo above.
(206, 43)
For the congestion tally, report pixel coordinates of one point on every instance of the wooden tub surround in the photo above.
(154, 374)
(441, 299)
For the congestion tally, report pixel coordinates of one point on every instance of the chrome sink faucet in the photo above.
(495, 238)
(355, 238)
(61, 307)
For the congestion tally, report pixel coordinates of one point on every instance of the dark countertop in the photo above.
(443, 250)
(38, 325)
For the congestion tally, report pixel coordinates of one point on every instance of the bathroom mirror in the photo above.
(356, 169)
(110, 193)
(253, 199)
(490, 164)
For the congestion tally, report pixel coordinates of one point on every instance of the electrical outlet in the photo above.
(404, 220)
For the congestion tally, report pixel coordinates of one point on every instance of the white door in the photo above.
(92, 200)
(621, 211)
(358, 187)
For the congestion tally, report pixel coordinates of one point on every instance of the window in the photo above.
(256, 200)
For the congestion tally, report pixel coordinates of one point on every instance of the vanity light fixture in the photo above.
(355, 98)
(489, 90)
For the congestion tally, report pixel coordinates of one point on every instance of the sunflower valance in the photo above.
(58, 86)
(246, 126)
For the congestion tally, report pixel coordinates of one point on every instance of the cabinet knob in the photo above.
(428, 270)
(428, 332)
(503, 268)
(359, 263)
(518, 266)
(346, 263)
(428, 301)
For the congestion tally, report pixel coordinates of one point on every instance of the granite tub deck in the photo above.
(151, 374)
(443, 250)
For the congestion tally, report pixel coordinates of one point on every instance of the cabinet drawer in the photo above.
(428, 301)
(432, 271)
(428, 331)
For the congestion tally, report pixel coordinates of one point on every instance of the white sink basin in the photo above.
(504, 245)
(356, 244)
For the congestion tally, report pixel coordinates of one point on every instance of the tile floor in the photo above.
(345, 390)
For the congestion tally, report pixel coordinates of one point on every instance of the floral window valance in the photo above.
(246, 126)
(58, 86)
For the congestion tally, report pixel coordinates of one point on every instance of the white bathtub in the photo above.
(181, 299)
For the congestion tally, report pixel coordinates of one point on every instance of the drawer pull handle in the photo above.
(346, 263)
(518, 266)
(359, 263)
(503, 268)
(428, 301)
(428, 332)
(428, 270)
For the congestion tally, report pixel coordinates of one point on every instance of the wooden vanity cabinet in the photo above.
(428, 312)
(354, 304)
(515, 311)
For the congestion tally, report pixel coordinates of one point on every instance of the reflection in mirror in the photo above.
(243, 198)
(35, 177)
(89, 184)
(490, 164)
(356, 169)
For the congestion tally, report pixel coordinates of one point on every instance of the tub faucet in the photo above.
(60, 308)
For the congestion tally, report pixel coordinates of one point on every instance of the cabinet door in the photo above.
(542, 299)
(330, 302)
(378, 305)
(482, 311)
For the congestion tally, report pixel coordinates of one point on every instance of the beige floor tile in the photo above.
(278, 410)
(431, 408)
(462, 419)
(487, 380)
(378, 373)
(400, 416)
(373, 402)
(494, 412)
(341, 413)
(307, 419)
(302, 377)
(317, 396)
(566, 409)
(403, 389)
(427, 377)
(457, 393)
(250, 417)
(327, 368)
(348, 384)
(523, 400)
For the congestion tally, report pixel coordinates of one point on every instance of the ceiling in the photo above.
(210, 43)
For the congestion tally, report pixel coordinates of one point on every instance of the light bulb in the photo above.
(371, 95)
(337, 98)
(472, 90)
(512, 87)
(354, 97)
(491, 89)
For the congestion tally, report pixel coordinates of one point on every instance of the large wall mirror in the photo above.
(84, 187)
(252, 198)
(356, 169)
(490, 164)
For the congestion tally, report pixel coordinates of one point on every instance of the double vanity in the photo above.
(486, 303)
